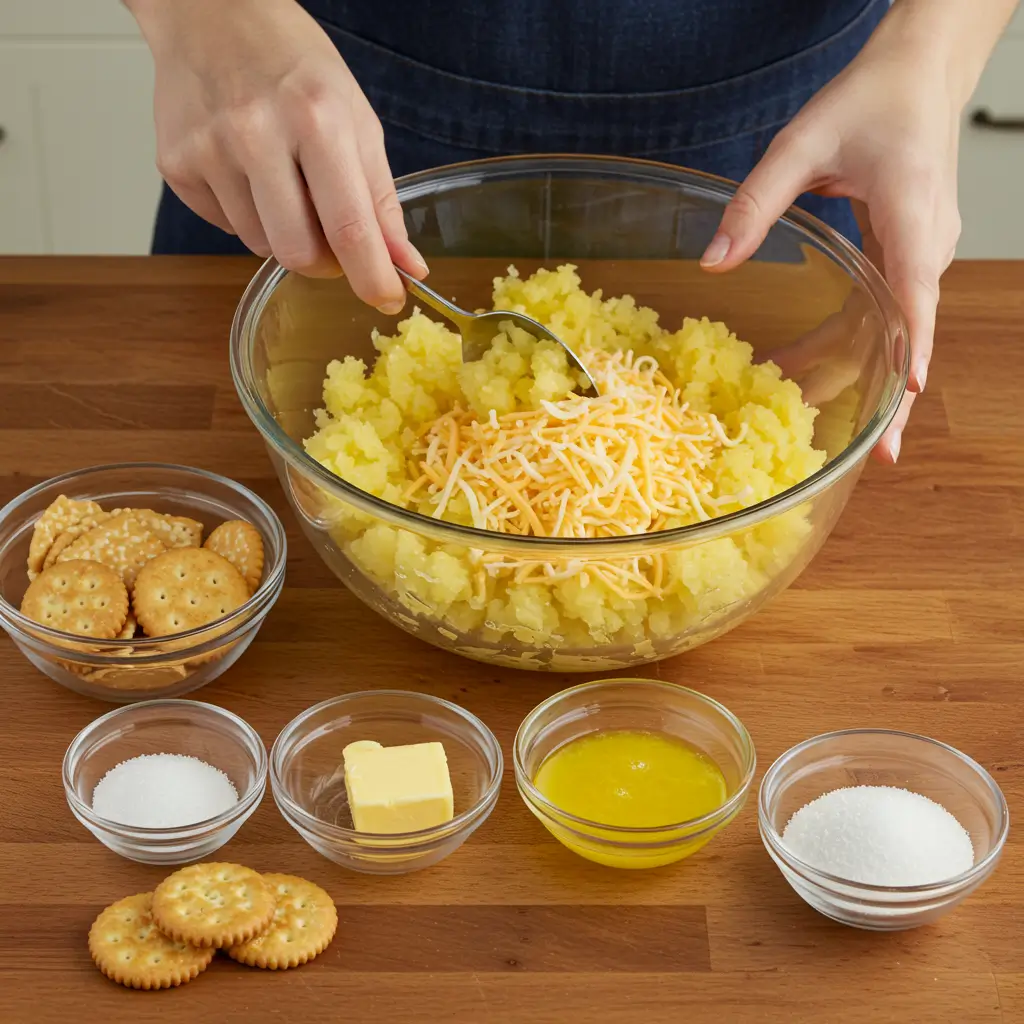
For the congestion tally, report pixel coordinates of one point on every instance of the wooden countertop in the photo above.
(911, 617)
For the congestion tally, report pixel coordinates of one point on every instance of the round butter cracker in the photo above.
(241, 544)
(305, 920)
(81, 597)
(72, 533)
(128, 948)
(173, 531)
(185, 588)
(135, 677)
(62, 514)
(213, 904)
(129, 628)
(122, 542)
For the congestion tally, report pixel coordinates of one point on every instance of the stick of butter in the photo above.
(397, 789)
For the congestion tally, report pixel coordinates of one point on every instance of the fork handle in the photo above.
(419, 290)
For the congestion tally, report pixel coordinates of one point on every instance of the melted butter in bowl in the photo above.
(633, 773)
(636, 779)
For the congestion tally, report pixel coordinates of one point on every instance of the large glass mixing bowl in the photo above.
(808, 300)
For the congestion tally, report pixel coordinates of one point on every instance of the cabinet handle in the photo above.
(3, 134)
(982, 118)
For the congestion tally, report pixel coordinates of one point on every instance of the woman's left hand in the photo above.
(885, 134)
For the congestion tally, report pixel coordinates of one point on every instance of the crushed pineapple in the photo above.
(385, 429)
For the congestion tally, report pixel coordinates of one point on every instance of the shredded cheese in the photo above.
(624, 463)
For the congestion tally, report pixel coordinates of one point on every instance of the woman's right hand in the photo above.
(263, 131)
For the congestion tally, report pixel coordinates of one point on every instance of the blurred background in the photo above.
(77, 170)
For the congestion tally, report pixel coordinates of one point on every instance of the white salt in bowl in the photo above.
(188, 727)
(882, 757)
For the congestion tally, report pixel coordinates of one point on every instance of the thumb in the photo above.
(769, 190)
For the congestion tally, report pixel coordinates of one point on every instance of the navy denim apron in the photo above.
(701, 83)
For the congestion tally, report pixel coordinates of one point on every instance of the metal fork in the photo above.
(479, 329)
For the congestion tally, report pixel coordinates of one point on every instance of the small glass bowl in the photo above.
(308, 779)
(189, 727)
(634, 704)
(122, 671)
(882, 757)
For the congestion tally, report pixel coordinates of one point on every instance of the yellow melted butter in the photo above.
(630, 779)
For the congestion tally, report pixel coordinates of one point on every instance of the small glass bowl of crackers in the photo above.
(137, 580)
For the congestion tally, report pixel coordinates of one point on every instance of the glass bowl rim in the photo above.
(257, 293)
(390, 840)
(252, 740)
(724, 811)
(772, 838)
(262, 598)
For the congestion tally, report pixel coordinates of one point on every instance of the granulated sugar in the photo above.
(879, 835)
(163, 791)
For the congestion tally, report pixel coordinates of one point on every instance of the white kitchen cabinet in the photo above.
(22, 204)
(57, 19)
(77, 170)
(992, 157)
(1016, 26)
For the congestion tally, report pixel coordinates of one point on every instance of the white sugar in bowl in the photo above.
(826, 872)
(228, 751)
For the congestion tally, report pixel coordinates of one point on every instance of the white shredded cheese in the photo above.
(617, 465)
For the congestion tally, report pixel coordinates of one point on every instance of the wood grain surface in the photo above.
(911, 617)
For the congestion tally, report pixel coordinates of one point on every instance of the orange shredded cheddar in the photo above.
(624, 463)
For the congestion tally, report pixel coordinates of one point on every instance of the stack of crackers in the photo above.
(164, 938)
(134, 572)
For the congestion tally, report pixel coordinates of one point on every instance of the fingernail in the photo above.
(421, 263)
(716, 251)
(920, 378)
(894, 447)
(391, 308)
